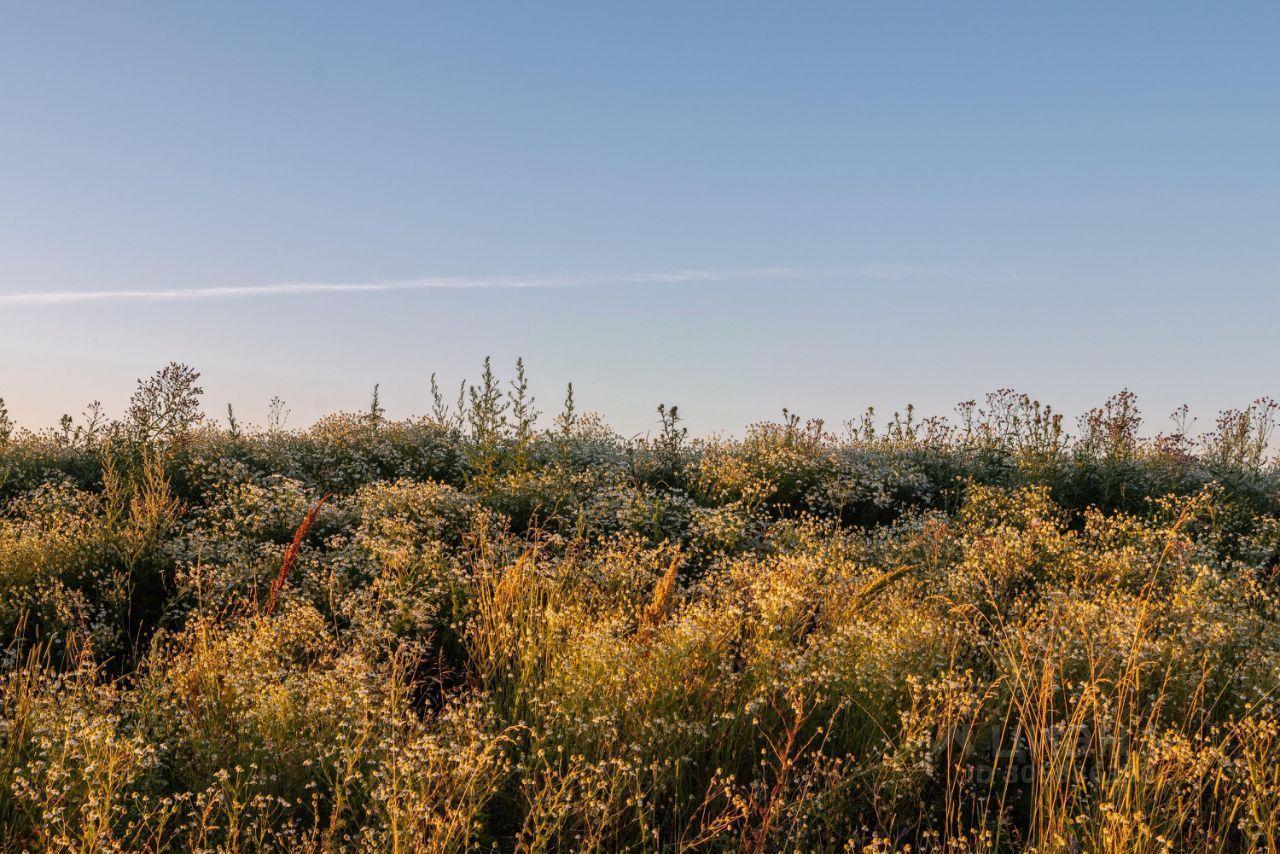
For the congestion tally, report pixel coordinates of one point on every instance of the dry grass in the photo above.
(291, 553)
(984, 639)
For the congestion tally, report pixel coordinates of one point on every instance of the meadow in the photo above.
(489, 629)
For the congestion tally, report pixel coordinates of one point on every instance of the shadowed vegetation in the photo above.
(479, 629)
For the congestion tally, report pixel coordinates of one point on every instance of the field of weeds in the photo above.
(484, 630)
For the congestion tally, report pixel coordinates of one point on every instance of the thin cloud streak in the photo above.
(882, 273)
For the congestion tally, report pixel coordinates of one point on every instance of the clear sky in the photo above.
(730, 206)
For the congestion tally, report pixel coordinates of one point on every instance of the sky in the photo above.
(733, 207)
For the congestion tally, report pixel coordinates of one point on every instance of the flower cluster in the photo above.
(921, 637)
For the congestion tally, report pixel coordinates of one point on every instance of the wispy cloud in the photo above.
(881, 273)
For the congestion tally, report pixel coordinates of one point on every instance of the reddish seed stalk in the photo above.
(663, 595)
(291, 553)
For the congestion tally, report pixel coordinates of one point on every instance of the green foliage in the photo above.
(982, 636)
(166, 405)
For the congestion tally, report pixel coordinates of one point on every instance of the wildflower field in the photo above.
(485, 629)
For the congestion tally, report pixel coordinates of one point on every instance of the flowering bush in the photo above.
(990, 636)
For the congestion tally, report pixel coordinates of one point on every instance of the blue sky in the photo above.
(731, 206)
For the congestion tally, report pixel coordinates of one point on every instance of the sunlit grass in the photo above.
(981, 636)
